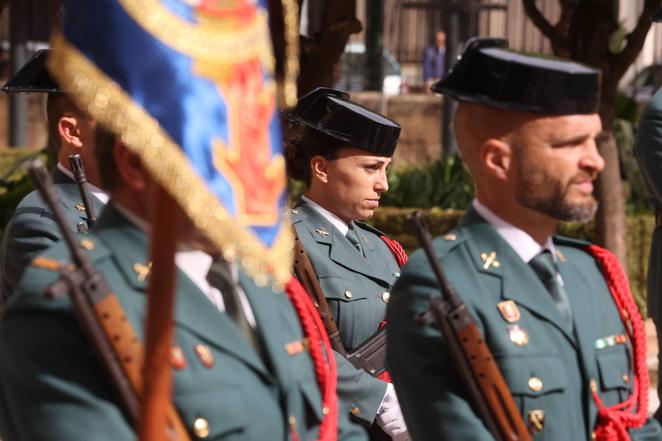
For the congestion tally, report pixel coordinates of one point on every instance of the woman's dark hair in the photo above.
(301, 149)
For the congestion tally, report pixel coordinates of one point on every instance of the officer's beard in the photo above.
(540, 191)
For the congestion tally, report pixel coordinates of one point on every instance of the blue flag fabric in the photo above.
(189, 86)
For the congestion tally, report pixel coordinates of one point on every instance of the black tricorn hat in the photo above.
(489, 74)
(330, 112)
(33, 77)
(658, 15)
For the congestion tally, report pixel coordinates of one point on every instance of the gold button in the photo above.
(325, 410)
(626, 378)
(292, 421)
(386, 297)
(201, 428)
(450, 236)
(356, 411)
(535, 384)
(87, 244)
(348, 294)
(593, 385)
(593, 435)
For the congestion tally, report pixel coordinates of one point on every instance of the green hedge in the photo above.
(392, 221)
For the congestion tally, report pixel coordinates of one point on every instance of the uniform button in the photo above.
(292, 421)
(626, 379)
(386, 297)
(356, 411)
(87, 244)
(201, 428)
(348, 294)
(535, 384)
(593, 435)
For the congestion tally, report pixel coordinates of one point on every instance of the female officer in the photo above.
(341, 153)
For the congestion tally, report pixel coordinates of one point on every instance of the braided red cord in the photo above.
(322, 356)
(396, 249)
(614, 422)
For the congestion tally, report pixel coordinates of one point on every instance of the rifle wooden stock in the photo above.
(101, 318)
(488, 391)
(81, 179)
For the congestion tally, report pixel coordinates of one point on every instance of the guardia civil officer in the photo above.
(31, 228)
(341, 154)
(237, 375)
(526, 129)
(648, 151)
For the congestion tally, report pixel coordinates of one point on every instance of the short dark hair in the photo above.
(105, 155)
(300, 150)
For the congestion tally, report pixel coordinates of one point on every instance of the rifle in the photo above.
(100, 315)
(473, 360)
(81, 179)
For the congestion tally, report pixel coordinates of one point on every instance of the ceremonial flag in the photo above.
(189, 85)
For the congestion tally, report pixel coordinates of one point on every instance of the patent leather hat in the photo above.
(33, 77)
(489, 74)
(658, 15)
(332, 113)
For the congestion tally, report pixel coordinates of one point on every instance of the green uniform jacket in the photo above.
(57, 390)
(549, 371)
(31, 229)
(648, 149)
(357, 289)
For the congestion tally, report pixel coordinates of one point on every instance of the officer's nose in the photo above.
(381, 184)
(592, 159)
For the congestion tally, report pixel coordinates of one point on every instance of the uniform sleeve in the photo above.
(648, 147)
(27, 235)
(359, 392)
(53, 386)
(429, 390)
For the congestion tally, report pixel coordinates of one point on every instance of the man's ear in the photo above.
(319, 168)
(130, 167)
(69, 130)
(497, 156)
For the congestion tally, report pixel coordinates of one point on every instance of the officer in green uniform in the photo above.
(223, 387)
(648, 151)
(341, 153)
(526, 129)
(31, 229)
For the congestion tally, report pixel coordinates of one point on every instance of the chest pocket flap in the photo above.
(614, 368)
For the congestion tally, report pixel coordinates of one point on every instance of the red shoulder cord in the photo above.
(614, 422)
(322, 356)
(401, 258)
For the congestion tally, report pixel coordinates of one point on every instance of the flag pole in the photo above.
(165, 220)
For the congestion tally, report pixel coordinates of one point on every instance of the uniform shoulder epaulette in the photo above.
(59, 255)
(446, 242)
(296, 215)
(570, 241)
(370, 228)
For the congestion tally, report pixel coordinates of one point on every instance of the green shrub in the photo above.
(442, 183)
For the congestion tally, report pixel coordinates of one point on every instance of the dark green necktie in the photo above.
(543, 265)
(220, 277)
(353, 237)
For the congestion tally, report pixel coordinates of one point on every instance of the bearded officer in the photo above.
(526, 129)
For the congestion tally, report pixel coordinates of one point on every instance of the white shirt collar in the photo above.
(326, 214)
(519, 240)
(98, 193)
